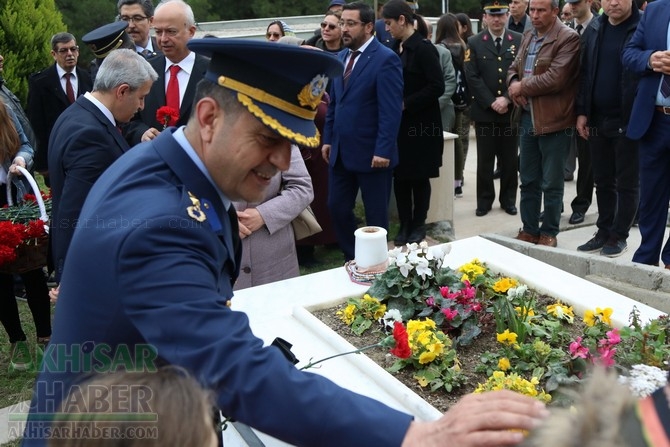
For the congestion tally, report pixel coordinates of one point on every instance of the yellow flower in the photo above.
(504, 284)
(427, 357)
(529, 312)
(507, 337)
(503, 364)
(600, 315)
(422, 381)
(498, 374)
(348, 314)
(472, 270)
(561, 311)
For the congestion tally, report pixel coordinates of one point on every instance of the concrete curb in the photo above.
(647, 284)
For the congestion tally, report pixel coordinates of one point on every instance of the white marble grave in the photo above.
(282, 310)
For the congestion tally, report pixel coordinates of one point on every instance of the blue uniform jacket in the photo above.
(150, 273)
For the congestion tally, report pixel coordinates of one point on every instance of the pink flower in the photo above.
(469, 291)
(606, 356)
(577, 350)
(430, 301)
(613, 337)
(449, 313)
(476, 307)
(444, 291)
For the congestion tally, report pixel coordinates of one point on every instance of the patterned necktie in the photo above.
(665, 86)
(145, 52)
(498, 44)
(350, 66)
(69, 91)
(172, 93)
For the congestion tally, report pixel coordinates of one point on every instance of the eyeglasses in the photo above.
(349, 23)
(275, 35)
(330, 26)
(134, 19)
(74, 49)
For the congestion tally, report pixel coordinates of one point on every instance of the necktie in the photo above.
(665, 86)
(579, 29)
(69, 91)
(145, 52)
(234, 228)
(498, 44)
(350, 66)
(172, 93)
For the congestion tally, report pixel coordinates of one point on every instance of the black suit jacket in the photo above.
(83, 144)
(46, 101)
(156, 52)
(146, 118)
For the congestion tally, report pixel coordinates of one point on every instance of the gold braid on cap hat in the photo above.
(266, 98)
(109, 48)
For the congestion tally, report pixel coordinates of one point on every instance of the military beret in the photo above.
(284, 99)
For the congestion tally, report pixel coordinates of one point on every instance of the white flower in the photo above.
(644, 380)
(393, 254)
(517, 292)
(390, 317)
(423, 245)
(412, 247)
(424, 270)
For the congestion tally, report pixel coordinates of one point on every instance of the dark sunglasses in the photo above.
(330, 26)
(277, 35)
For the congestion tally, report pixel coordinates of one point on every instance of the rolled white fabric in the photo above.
(371, 247)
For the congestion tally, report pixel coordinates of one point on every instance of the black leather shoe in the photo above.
(417, 234)
(481, 212)
(511, 210)
(402, 236)
(496, 173)
(576, 218)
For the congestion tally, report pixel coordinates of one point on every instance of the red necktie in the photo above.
(172, 93)
(69, 91)
(350, 66)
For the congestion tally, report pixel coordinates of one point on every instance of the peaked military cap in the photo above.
(279, 84)
(107, 38)
(495, 6)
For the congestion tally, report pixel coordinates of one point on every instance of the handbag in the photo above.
(305, 224)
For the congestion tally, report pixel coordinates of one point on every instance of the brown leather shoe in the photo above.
(527, 237)
(549, 241)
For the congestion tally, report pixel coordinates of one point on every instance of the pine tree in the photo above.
(26, 27)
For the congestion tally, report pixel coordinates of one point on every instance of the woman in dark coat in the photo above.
(420, 136)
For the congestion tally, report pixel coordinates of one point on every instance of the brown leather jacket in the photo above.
(552, 89)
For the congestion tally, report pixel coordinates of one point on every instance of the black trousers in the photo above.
(616, 176)
(582, 201)
(413, 199)
(496, 140)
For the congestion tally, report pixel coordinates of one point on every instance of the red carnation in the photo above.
(7, 254)
(168, 116)
(401, 349)
(30, 198)
(35, 229)
(11, 235)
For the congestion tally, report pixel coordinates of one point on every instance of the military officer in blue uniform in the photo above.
(489, 55)
(148, 278)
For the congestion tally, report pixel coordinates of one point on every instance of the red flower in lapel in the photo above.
(168, 116)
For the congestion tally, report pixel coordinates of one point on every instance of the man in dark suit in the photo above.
(361, 131)
(85, 140)
(490, 54)
(648, 55)
(174, 25)
(140, 15)
(151, 272)
(48, 94)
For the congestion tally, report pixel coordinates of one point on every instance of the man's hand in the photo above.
(53, 293)
(582, 130)
(500, 105)
(479, 420)
(251, 219)
(325, 152)
(514, 91)
(660, 61)
(150, 134)
(380, 162)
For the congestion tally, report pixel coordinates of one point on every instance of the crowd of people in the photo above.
(229, 152)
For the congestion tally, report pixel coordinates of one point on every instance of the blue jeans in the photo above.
(541, 164)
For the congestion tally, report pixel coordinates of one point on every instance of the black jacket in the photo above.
(589, 58)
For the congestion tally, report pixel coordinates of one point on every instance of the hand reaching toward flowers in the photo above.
(480, 420)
